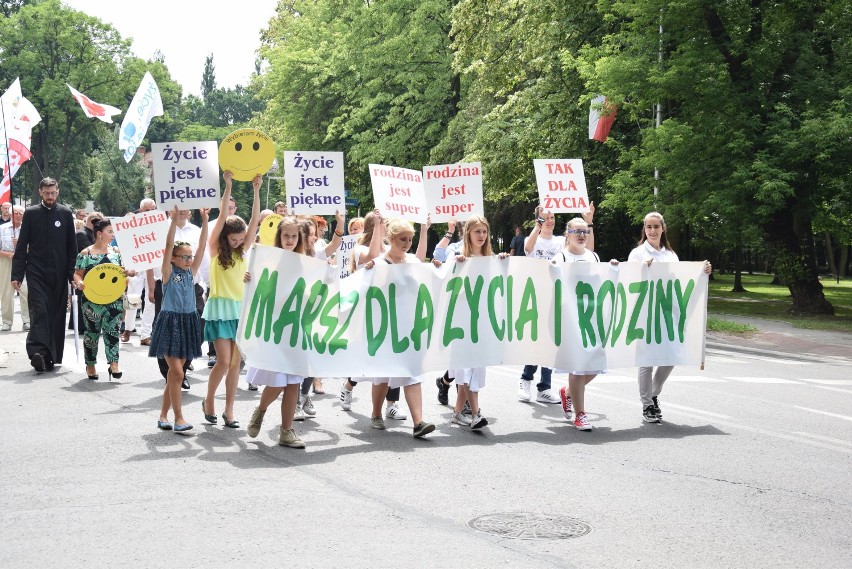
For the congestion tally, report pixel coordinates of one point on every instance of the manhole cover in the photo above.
(521, 525)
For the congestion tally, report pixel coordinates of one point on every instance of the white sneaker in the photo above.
(6, 328)
(478, 421)
(525, 390)
(461, 419)
(547, 396)
(345, 398)
(394, 412)
(308, 406)
(300, 414)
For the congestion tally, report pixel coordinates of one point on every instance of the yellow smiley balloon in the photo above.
(246, 152)
(268, 228)
(104, 283)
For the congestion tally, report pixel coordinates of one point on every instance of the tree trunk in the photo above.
(829, 254)
(790, 237)
(844, 261)
(738, 269)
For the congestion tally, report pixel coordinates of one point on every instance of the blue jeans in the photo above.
(529, 375)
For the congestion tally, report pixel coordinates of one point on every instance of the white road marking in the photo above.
(822, 438)
(826, 413)
(698, 378)
(828, 381)
(677, 410)
(762, 379)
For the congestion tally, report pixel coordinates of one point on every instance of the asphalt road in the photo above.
(751, 468)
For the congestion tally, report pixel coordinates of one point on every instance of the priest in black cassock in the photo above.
(45, 254)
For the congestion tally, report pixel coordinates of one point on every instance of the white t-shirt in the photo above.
(409, 258)
(645, 252)
(364, 249)
(546, 248)
(565, 256)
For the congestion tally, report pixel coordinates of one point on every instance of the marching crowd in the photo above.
(195, 296)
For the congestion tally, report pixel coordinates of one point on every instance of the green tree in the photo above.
(48, 45)
(208, 77)
(371, 79)
(739, 82)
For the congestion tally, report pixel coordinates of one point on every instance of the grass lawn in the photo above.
(764, 300)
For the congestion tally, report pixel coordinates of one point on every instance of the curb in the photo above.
(807, 357)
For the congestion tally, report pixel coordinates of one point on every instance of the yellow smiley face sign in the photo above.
(246, 152)
(104, 283)
(268, 227)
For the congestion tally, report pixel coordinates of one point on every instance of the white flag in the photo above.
(93, 109)
(146, 105)
(19, 118)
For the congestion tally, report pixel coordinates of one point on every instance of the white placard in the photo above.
(453, 191)
(561, 185)
(141, 238)
(398, 192)
(314, 182)
(344, 254)
(186, 174)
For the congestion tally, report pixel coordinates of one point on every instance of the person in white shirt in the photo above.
(9, 233)
(654, 246)
(577, 251)
(542, 244)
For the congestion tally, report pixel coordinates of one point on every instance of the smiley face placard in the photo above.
(246, 152)
(104, 283)
(268, 227)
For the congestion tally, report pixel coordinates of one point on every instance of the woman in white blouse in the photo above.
(654, 246)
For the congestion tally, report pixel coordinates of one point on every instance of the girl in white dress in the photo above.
(290, 238)
(477, 243)
(400, 235)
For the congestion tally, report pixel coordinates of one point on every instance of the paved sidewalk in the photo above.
(779, 337)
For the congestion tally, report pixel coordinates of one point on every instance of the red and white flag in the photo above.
(19, 118)
(93, 109)
(601, 116)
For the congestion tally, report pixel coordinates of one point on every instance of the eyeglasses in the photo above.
(186, 257)
(579, 231)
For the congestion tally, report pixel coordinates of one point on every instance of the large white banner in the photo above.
(404, 320)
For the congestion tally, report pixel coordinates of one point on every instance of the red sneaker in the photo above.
(582, 422)
(566, 403)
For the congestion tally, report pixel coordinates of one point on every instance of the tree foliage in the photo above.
(743, 85)
(48, 45)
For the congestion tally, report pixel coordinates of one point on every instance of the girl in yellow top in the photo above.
(228, 246)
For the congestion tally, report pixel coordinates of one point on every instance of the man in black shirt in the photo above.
(46, 253)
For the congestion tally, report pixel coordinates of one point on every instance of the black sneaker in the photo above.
(657, 411)
(38, 363)
(443, 391)
(466, 409)
(211, 361)
(184, 384)
(648, 415)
